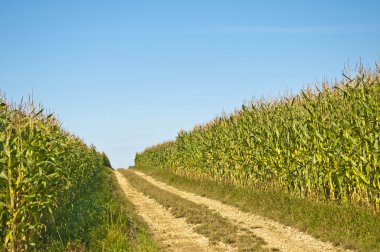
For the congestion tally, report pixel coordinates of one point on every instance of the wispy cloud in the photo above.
(287, 29)
(263, 29)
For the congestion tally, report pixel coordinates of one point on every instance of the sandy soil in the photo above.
(172, 233)
(275, 234)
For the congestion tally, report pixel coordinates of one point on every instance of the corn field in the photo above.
(42, 167)
(321, 143)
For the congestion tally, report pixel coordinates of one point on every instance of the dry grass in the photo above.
(208, 223)
(359, 229)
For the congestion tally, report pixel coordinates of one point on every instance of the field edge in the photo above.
(347, 226)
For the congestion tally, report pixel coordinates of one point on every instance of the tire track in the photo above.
(174, 234)
(275, 234)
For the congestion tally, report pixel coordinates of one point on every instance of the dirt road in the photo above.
(174, 234)
(178, 235)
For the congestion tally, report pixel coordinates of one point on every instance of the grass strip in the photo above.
(112, 224)
(208, 223)
(344, 225)
(125, 229)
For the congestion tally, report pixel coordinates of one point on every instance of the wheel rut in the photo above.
(275, 234)
(173, 234)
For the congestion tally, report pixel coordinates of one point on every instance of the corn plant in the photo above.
(41, 167)
(320, 143)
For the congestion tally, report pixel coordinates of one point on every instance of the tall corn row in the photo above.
(42, 167)
(323, 142)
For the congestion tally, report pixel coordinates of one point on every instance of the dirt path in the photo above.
(171, 232)
(275, 234)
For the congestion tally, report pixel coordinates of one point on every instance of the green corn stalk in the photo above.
(323, 142)
(41, 167)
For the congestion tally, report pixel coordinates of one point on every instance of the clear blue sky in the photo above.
(124, 75)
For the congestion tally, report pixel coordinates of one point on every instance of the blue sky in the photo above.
(124, 75)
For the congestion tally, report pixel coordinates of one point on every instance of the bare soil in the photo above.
(173, 234)
(275, 234)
